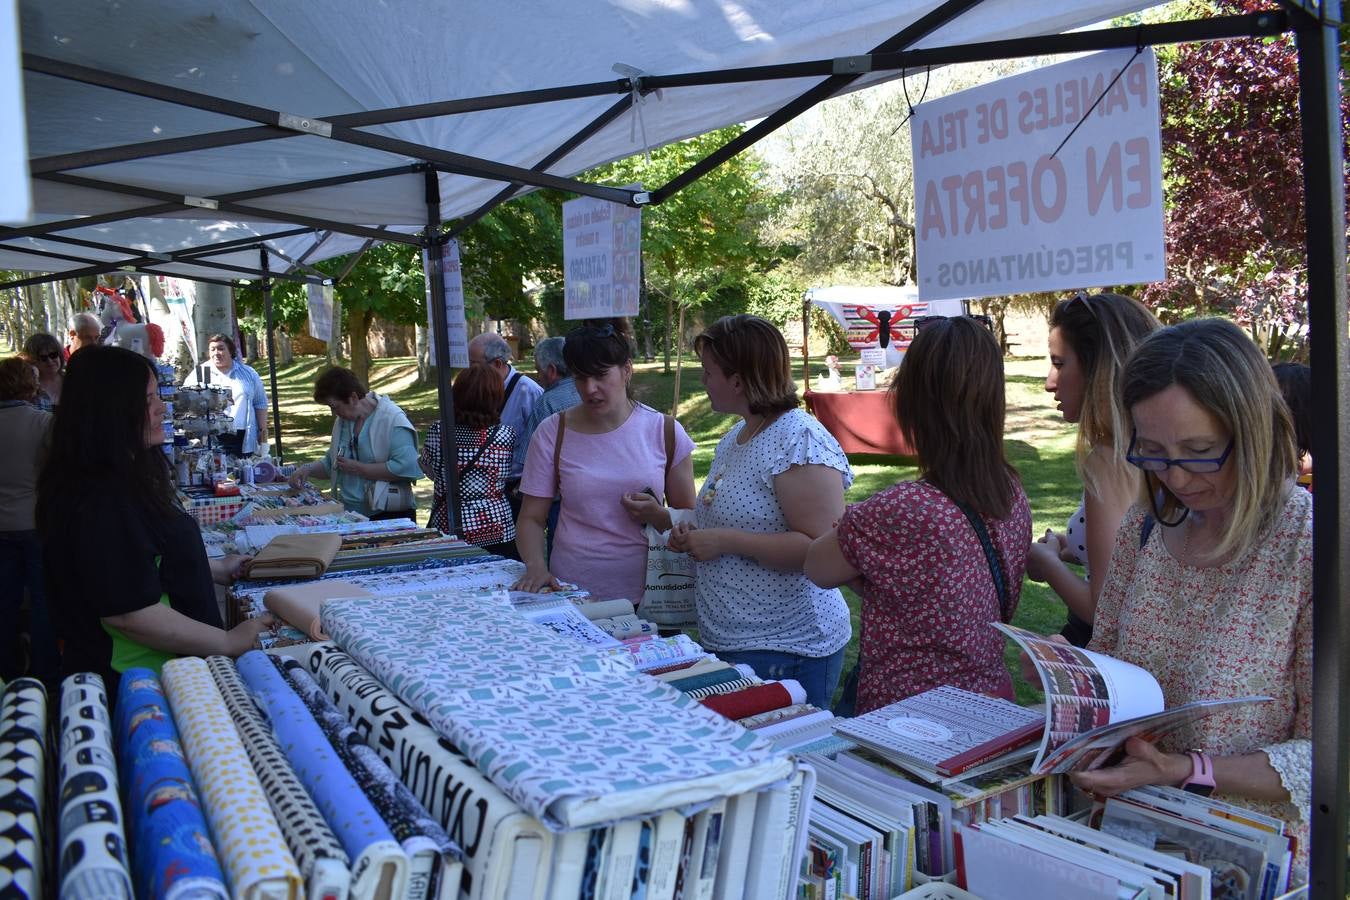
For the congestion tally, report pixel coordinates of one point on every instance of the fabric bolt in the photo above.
(779, 715)
(623, 627)
(375, 856)
(754, 700)
(23, 766)
(1243, 627)
(698, 667)
(649, 652)
(321, 860)
(928, 597)
(299, 604)
(410, 823)
(569, 734)
(93, 851)
(171, 851)
(723, 687)
(247, 836)
(605, 609)
(704, 679)
(743, 605)
(485, 823)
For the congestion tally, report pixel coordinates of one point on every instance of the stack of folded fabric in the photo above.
(294, 556)
(298, 604)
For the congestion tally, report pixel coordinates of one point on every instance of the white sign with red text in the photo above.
(456, 324)
(998, 210)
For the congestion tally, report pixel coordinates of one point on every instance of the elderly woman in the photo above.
(248, 398)
(777, 481)
(373, 455)
(26, 429)
(128, 577)
(44, 352)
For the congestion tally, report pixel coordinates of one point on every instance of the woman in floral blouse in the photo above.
(929, 595)
(484, 447)
(1215, 602)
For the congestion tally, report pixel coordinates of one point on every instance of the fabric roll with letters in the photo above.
(247, 837)
(322, 861)
(434, 859)
(23, 767)
(171, 851)
(92, 844)
(377, 861)
(496, 836)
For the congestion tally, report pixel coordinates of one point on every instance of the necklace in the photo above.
(710, 492)
(757, 429)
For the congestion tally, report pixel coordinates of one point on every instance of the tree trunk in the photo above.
(670, 322)
(679, 338)
(358, 328)
(250, 346)
(285, 352)
(422, 350)
(335, 334)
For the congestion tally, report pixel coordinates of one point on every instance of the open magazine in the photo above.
(1094, 703)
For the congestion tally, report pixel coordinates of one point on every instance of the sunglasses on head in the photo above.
(922, 322)
(592, 331)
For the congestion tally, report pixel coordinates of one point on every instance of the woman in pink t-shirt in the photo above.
(612, 446)
(913, 550)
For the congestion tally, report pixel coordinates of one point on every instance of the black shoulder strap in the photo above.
(488, 437)
(1145, 529)
(991, 556)
(510, 386)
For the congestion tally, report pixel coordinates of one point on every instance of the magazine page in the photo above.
(1083, 690)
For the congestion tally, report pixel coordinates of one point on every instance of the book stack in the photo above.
(1153, 842)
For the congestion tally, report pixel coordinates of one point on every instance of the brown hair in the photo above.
(948, 400)
(754, 349)
(226, 340)
(1102, 330)
(478, 392)
(18, 379)
(42, 343)
(339, 384)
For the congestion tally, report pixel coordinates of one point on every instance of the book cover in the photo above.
(1094, 703)
(738, 829)
(947, 727)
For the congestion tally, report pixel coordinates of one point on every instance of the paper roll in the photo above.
(247, 837)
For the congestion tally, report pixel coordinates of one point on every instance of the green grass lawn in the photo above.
(1039, 444)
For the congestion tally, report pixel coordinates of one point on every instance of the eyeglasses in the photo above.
(1204, 465)
(48, 357)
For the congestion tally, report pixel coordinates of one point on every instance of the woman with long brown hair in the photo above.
(940, 558)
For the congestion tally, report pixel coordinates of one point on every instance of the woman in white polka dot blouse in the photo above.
(777, 482)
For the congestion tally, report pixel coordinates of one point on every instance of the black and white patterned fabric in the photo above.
(23, 761)
(93, 862)
(322, 861)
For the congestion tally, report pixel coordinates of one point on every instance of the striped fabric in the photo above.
(322, 861)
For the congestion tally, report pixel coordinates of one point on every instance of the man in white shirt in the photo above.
(491, 350)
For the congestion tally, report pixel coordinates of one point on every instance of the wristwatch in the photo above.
(1201, 779)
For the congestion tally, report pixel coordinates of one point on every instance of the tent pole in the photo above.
(271, 353)
(806, 343)
(440, 340)
(1324, 202)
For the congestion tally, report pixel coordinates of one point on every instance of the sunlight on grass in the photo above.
(1038, 443)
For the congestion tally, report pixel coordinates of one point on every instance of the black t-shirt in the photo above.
(110, 557)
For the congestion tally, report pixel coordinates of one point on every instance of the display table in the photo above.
(861, 421)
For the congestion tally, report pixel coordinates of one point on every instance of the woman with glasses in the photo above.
(590, 456)
(777, 482)
(938, 559)
(1091, 336)
(1210, 583)
(44, 352)
(128, 580)
(372, 458)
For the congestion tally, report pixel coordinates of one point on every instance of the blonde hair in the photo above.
(1102, 330)
(1226, 374)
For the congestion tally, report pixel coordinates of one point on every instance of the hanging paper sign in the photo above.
(16, 201)
(1002, 208)
(602, 259)
(456, 325)
(320, 298)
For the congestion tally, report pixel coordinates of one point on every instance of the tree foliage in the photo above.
(1232, 158)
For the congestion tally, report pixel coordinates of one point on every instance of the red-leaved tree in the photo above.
(1232, 163)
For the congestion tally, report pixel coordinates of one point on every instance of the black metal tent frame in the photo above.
(1314, 25)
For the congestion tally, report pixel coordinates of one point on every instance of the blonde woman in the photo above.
(1216, 600)
(1091, 336)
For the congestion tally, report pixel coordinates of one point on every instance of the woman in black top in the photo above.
(128, 580)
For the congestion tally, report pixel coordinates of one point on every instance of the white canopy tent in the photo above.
(242, 140)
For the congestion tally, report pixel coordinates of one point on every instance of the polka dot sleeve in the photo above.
(811, 445)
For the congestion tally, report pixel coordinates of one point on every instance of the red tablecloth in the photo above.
(861, 421)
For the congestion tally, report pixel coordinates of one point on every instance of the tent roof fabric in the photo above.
(347, 58)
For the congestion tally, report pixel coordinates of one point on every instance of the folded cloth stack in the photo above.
(757, 699)
(23, 765)
(295, 556)
(299, 604)
(93, 847)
